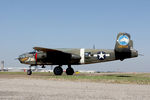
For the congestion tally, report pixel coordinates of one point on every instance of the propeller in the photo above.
(141, 55)
(16, 58)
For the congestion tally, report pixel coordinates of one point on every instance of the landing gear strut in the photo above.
(29, 71)
(43, 66)
(58, 70)
(69, 70)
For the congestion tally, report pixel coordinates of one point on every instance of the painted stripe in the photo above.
(36, 57)
(82, 56)
(107, 55)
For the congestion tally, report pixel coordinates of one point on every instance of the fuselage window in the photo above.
(87, 54)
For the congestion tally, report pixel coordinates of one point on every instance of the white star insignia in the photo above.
(101, 55)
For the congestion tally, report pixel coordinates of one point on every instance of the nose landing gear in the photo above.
(29, 71)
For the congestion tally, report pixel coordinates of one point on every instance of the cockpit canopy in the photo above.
(28, 54)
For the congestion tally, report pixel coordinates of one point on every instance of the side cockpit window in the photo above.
(33, 52)
(87, 54)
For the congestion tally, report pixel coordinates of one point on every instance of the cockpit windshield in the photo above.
(29, 54)
(22, 56)
(33, 52)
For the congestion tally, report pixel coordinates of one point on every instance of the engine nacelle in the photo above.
(40, 55)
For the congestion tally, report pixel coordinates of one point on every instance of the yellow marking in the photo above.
(24, 59)
(122, 46)
(77, 72)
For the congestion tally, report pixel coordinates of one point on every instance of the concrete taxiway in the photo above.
(19, 88)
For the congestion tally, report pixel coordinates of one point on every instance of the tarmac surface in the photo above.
(19, 88)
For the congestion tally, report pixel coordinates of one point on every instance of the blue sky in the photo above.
(74, 24)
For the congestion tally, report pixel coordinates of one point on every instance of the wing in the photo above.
(59, 57)
(46, 49)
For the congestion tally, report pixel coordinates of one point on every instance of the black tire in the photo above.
(58, 71)
(69, 71)
(29, 72)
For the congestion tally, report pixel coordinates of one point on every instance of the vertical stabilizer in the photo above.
(123, 46)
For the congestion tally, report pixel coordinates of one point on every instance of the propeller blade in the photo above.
(141, 55)
(16, 58)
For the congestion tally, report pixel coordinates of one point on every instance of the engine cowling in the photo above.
(40, 55)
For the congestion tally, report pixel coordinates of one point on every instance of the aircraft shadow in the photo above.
(120, 75)
(124, 76)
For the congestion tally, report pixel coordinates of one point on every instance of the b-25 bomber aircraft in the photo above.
(44, 56)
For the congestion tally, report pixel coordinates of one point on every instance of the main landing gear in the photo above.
(58, 70)
(69, 70)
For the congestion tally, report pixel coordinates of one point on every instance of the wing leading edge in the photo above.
(46, 49)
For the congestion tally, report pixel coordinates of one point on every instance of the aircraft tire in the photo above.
(29, 72)
(58, 70)
(69, 71)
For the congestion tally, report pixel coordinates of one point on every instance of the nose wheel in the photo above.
(29, 71)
